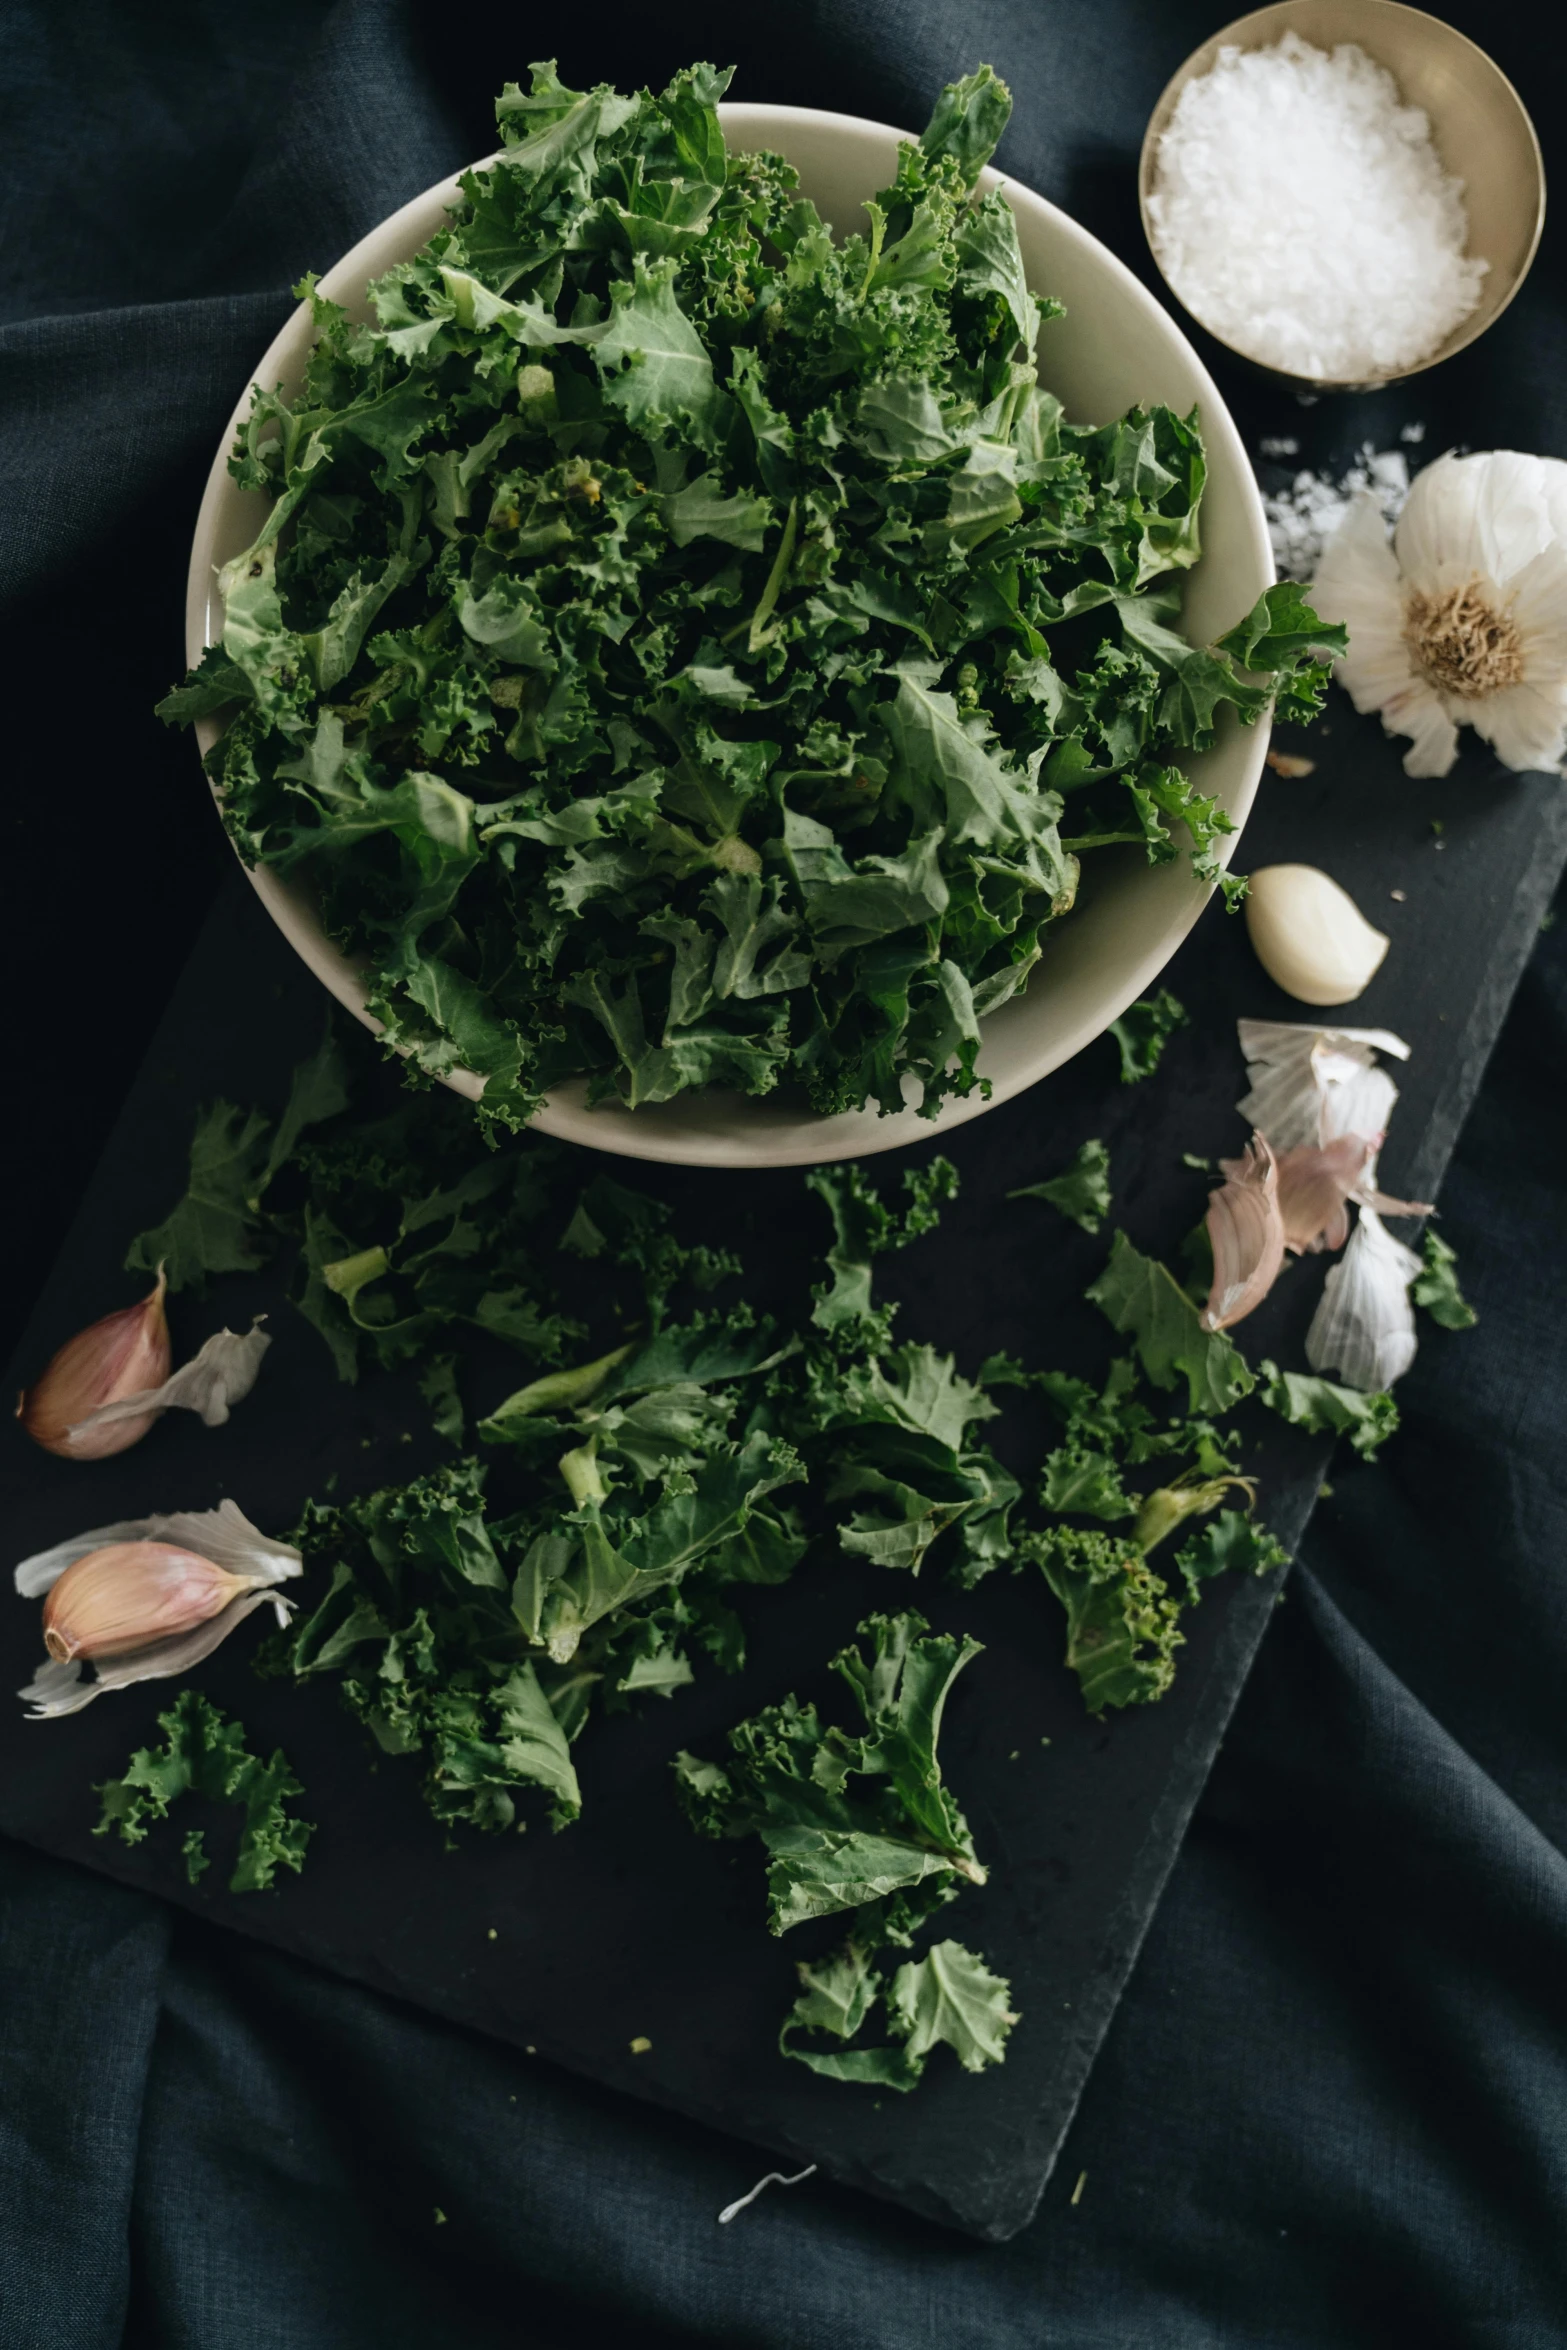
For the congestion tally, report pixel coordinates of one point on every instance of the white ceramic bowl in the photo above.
(1115, 346)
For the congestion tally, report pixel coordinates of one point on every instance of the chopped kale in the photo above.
(1324, 1408)
(1143, 1031)
(1436, 1288)
(677, 636)
(862, 1821)
(1081, 1191)
(204, 1753)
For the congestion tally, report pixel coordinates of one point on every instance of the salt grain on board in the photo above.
(1303, 518)
(1302, 213)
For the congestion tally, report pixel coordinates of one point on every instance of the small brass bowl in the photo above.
(1479, 124)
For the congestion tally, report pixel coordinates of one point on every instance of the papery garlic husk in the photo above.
(1316, 1185)
(1308, 1085)
(129, 1594)
(123, 1356)
(1310, 936)
(221, 1375)
(162, 1593)
(1246, 1232)
(1364, 1328)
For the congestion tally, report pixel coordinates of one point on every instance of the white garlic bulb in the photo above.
(1310, 936)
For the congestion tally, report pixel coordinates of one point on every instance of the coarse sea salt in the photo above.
(1302, 518)
(1302, 213)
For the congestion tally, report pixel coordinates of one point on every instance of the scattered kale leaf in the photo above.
(1143, 1031)
(1122, 1623)
(949, 1996)
(1229, 1543)
(1081, 1191)
(1139, 1295)
(399, 1232)
(1436, 1288)
(1325, 1409)
(895, 1837)
(1123, 1620)
(214, 1228)
(204, 1753)
(864, 1228)
(417, 1620)
(220, 1225)
(863, 1822)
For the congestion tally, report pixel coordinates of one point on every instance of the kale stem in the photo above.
(775, 579)
(1099, 840)
(878, 231)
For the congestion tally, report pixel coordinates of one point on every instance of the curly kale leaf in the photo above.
(675, 635)
(1122, 1624)
(1143, 1031)
(1140, 1296)
(1082, 1190)
(848, 1821)
(417, 1620)
(1323, 1408)
(1436, 1288)
(864, 1823)
(864, 1228)
(1229, 1543)
(949, 1997)
(204, 1753)
(213, 1229)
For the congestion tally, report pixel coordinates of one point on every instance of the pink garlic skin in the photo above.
(1315, 1188)
(124, 1597)
(1246, 1232)
(122, 1355)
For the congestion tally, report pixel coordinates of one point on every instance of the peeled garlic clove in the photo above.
(124, 1354)
(1310, 936)
(130, 1594)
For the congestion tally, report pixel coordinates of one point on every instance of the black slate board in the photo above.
(628, 1926)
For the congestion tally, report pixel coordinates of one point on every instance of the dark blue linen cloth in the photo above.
(1332, 2111)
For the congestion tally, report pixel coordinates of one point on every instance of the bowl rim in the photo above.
(711, 1141)
(1228, 36)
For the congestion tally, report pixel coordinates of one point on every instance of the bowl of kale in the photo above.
(731, 635)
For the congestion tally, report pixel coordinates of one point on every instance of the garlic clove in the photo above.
(123, 1355)
(1290, 766)
(1310, 936)
(1246, 1232)
(57, 1689)
(129, 1595)
(224, 1535)
(211, 1383)
(148, 1598)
